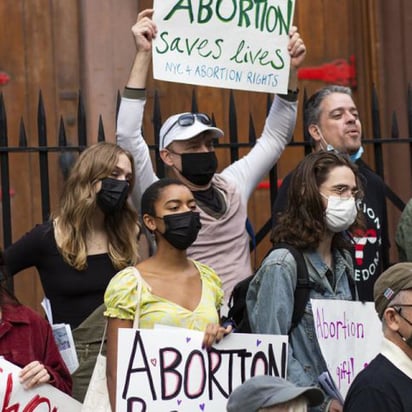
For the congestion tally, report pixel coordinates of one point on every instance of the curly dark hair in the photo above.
(303, 224)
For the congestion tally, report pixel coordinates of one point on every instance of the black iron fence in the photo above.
(66, 151)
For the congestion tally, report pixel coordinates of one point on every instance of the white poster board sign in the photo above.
(231, 44)
(166, 370)
(349, 335)
(44, 398)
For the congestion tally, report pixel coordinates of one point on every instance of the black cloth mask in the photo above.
(112, 195)
(181, 229)
(199, 168)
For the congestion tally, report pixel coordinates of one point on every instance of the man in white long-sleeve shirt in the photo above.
(186, 146)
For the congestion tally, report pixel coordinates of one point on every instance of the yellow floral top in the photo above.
(121, 300)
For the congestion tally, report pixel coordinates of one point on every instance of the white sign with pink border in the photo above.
(167, 370)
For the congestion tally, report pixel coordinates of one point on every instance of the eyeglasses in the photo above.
(188, 119)
(398, 308)
(345, 192)
(401, 305)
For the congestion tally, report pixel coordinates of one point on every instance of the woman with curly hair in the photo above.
(321, 207)
(92, 235)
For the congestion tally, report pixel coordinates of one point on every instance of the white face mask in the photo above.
(340, 213)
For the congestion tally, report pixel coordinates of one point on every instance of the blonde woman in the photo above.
(91, 236)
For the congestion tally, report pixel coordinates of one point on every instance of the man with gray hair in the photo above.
(332, 120)
(385, 384)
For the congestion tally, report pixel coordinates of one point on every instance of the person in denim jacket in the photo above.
(322, 205)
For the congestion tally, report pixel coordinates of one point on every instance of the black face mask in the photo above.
(199, 168)
(112, 195)
(181, 229)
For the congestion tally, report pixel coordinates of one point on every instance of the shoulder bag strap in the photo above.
(139, 298)
(137, 312)
(103, 338)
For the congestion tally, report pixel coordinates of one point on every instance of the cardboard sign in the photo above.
(44, 398)
(166, 370)
(235, 44)
(349, 335)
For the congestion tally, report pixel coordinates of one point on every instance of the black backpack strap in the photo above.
(352, 287)
(301, 295)
(351, 281)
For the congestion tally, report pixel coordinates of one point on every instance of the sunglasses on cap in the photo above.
(188, 119)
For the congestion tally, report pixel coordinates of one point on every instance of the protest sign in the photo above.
(233, 44)
(43, 398)
(349, 335)
(167, 370)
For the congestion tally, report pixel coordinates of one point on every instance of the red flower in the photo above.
(4, 78)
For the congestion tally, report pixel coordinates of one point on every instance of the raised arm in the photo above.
(130, 118)
(144, 31)
(278, 130)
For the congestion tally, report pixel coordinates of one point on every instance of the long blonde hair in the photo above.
(73, 220)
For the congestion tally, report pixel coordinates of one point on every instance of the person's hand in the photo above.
(335, 406)
(34, 374)
(144, 31)
(214, 333)
(296, 48)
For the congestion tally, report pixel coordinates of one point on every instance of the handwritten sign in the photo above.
(238, 44)
(349, 335)
(167, 370)
(43, 398)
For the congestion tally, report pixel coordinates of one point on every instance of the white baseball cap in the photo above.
(185, 126)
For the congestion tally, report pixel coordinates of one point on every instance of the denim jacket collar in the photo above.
(320, 268)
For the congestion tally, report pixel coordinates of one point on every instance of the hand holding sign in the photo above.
(214, 334)
(144, 31)
(34, 374)
(297, 52)
(14, 397)
(296, 48)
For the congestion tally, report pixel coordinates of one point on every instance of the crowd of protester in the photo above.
(331, 209)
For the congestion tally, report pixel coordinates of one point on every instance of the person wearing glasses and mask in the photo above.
(91, 235)
(186, 147)
(322, 205)
(176, 291)
(385, 384)
(332, 121)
